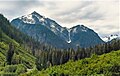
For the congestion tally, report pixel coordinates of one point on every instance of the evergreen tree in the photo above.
(10, 54)
(62, 59)
(53, 58)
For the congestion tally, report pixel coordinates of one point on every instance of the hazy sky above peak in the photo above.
(100, 15)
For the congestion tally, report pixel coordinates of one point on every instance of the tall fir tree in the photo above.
(10, 54)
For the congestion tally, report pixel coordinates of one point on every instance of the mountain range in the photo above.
(49, 32)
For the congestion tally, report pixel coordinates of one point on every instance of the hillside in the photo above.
(103, 65)
(14, 59)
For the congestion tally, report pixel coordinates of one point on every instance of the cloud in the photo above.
(102, 16)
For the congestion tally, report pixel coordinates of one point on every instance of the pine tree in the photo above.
(62, 59)
(48, 64)
(10, 54)
(53, 58)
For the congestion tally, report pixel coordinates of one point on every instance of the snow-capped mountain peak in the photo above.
(109, 38)
(33, 18)
(81, 28)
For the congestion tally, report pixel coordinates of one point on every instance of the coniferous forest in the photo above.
(21, 55)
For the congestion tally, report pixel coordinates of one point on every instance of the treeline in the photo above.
(53, 56)
(102, 65)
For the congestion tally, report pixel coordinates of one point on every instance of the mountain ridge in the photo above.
(29, 22)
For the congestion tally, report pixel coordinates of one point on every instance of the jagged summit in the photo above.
(33, 18)
(34, 12)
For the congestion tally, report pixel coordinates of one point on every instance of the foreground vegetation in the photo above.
(103, 65)
(17, 62)
(14, 59)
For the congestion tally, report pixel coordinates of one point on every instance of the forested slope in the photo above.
(103, 65)
(14, 59)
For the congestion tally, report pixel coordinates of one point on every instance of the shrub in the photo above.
(8, 74)
(15, 68)
(10, 68)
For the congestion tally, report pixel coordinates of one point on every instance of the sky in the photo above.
(100, 15)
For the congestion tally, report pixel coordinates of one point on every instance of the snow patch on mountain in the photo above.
(27, 19)
(84, 30)
(74, 30)
(52, 26)
(69, 39)
(61, 30)
(53, 30)
(42, 20)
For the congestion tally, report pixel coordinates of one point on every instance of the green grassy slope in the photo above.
(21, 61)
(103, 65)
